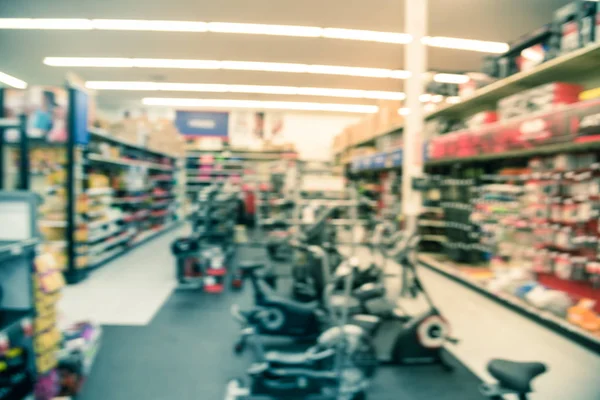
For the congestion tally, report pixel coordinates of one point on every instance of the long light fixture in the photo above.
(12, 81)
(260, 89)
(96, 62)
(259, 105)
(466, 44)
(248, 29)
(451, 78)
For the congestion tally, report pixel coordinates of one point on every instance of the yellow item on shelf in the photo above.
(47, 341)
(46, 362)
(589, 94)
(82, 262)
(53, 233)
(45, 323)
(81, 235)
(50, 283)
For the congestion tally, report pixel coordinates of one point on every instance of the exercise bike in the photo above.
(402, 339)
(276, 315)
(512, 378)
(338, 367)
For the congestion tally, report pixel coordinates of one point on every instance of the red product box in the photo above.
(482, 118)
(542, 98)
(536, 130)
(465, 146)
(584, 121)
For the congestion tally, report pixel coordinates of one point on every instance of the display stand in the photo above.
(17, 252)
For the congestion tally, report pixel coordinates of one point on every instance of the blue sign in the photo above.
(396, 157)
(378, 161)
(202, 123)
(79, 102)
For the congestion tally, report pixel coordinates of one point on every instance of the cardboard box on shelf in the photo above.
(388, 117)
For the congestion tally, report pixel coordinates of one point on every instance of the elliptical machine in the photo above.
(338, 367)
(401, 339)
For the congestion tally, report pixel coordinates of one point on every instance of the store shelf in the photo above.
(434, 238)
(103, 135)
(543, 317)
(112, 241)
(550, 149)
(130, 200)
(104, 235)
(128, 163)
(52, 224)
(434, 223)
(99, 191)
(99, 224)
(570, 67)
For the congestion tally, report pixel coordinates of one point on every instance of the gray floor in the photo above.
(186, 353)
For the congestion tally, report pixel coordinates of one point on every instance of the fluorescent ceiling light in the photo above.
(242, 28)
(230, 65)
(263, 29)
(451, 78)
(46, 23)
(259, 105)
(12, 81)
(425, 97)
(453, 100)
(404, 111)
(148, 25)
(437, 98)
(368, 36)
(466, 44)
(219, 88)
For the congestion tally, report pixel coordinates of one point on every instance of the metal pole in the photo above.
(72, 275)
(24, 150)
(415, 16)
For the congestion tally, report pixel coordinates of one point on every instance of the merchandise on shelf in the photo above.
(79, 345)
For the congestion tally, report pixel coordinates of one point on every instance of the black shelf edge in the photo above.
(10, 249)
(588, 343)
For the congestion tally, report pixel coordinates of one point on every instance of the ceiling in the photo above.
(23, 50)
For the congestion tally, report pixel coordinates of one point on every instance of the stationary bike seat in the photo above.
(250, 266)
(369, 291)
(288, 359)
(515, 376)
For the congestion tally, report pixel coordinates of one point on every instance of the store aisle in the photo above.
(186, 353)
(129, 290)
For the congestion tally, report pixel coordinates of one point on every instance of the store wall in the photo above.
(311, 133)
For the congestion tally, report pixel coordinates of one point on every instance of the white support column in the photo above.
(415, 56)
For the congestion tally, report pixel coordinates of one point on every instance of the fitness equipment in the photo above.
(199, 263)
(338, 367)
(404, 340)
(512, 378)
(276, 315)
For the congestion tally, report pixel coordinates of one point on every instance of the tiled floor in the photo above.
(127, 291)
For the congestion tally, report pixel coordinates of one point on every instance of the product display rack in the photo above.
(129, 195)
(18, 249)
(85, 221)
(476, 252)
